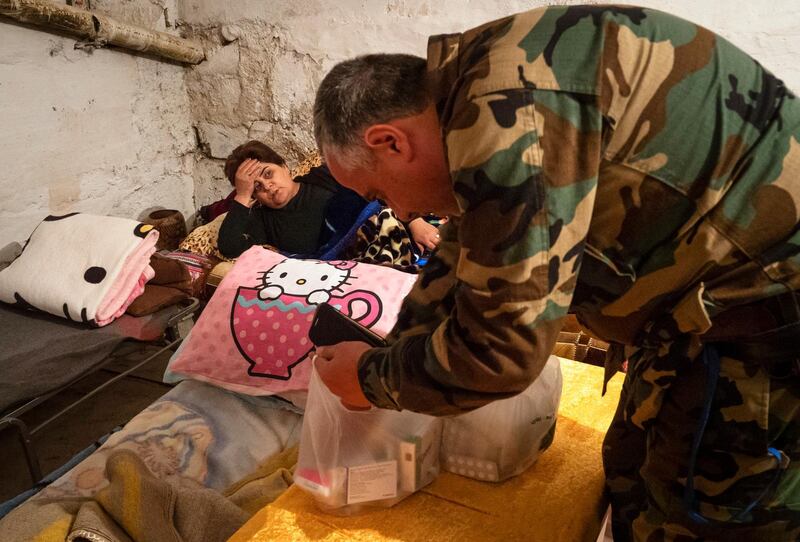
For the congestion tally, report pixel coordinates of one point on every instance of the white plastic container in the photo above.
(504, 438)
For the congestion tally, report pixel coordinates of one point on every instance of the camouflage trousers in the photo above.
(745, 462)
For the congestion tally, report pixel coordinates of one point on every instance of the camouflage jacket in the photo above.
(615, 162)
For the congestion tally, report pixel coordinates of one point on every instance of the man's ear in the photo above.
(389, 140)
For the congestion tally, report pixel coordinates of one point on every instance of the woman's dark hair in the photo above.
(251, 149)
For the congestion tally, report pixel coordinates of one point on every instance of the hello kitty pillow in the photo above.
(252, 337)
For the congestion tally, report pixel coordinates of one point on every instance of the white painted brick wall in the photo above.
(103, 132)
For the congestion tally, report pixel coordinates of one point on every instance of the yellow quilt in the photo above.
(560, 498)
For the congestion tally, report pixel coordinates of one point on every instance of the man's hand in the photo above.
(245, 180)
(425, 235)
(337, 365)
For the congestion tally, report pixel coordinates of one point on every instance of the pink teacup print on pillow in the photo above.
(268, 332)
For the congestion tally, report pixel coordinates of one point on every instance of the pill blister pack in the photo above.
(471, 467)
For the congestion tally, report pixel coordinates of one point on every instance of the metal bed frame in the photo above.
(176, 329)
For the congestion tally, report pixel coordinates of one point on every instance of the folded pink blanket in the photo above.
(111, 308)
(81, 267)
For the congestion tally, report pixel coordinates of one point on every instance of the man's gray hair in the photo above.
(363, 91)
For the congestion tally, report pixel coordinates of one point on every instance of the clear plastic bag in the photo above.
(503, 438)
(352, 460)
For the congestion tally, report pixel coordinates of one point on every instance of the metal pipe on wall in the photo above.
(101, 29)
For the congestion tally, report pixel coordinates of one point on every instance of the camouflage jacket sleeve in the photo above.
(524, 166)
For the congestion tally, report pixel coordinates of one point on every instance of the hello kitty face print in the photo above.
(81, 267)
(316, 281)
(270, 323)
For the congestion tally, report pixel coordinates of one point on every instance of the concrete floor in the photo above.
(87, 422)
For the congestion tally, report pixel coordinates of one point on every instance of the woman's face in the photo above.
(274, 186)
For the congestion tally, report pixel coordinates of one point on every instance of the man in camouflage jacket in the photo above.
(623, 165)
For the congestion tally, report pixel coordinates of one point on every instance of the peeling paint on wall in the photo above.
(62, 196)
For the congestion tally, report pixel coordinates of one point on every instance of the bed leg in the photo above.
(34, 469)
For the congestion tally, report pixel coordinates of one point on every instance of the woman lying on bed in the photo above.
(296, 216)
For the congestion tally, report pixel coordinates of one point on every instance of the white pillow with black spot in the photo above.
(79, 266)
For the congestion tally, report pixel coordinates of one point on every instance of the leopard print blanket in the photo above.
(383, 240)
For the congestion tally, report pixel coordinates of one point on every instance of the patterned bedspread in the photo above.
(195, 431)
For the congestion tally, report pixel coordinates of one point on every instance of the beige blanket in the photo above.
(138, 506)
